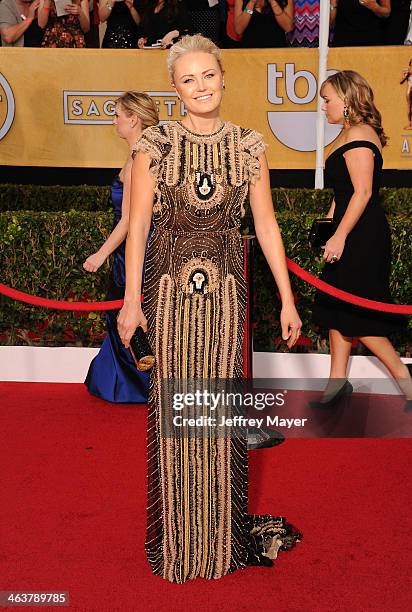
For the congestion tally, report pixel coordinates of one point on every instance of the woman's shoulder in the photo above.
(154, 131)
(250, 139)
(158, 135)
(153, 140)
(362, 133)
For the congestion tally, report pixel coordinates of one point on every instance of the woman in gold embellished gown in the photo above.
(193, 177)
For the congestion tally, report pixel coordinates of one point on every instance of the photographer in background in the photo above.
(263, 23)
(18, 24)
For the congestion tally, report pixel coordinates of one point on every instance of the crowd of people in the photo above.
(131, 24)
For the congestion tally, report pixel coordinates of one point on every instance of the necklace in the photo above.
(205, 134)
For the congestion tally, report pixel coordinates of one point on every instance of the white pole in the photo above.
(322, 67)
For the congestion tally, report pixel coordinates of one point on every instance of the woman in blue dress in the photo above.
(112, 374)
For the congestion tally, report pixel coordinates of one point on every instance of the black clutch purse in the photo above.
(141, 352)
(320, 232)
(139, 346)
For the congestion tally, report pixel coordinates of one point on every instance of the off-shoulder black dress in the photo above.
(364, 267)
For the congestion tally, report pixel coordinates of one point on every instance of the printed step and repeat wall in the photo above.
(57, 105)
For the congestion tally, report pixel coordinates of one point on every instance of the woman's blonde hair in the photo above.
(357, 95)
(192, 44)
(140, 104)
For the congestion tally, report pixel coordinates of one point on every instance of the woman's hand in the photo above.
(380, 9)
(72, 9)
(290, 323)
(130, 317)
(141, 42)
(93, 262)
(168, 38)
(31, 13)
(334, 247)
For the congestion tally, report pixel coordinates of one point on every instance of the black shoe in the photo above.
(263, 438)
(408, 403)
(407, 407)
(346, 389)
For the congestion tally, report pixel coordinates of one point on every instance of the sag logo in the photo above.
(296, 129)
(98, 107)
(6, 107)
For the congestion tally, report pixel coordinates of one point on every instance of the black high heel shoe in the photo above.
(408, 403)
(407, 407)
(263, 437)
(346, 389)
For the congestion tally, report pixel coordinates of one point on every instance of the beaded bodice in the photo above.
(202, 181)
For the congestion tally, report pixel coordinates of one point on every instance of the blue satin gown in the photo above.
(112, 374)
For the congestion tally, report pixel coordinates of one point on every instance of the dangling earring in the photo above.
(223, 85)
(346, 113)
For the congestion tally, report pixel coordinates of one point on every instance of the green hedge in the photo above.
(54, 198)
(42, 253)
(87, 198)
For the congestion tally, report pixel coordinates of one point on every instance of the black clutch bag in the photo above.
(141, 352)
(139, 346)
(320, 232)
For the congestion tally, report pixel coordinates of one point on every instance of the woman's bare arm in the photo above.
(270, 240)
(140, 216)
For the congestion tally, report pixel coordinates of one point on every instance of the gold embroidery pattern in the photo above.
(198, 275)
(195, 295)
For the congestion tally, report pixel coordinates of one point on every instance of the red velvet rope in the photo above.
(293, 267)
(344, 295)
(58, 304)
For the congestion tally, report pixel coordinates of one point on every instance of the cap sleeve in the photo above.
(252, 146)
(150, 142)
(154, 142)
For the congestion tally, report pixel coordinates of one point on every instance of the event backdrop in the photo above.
(56, 105)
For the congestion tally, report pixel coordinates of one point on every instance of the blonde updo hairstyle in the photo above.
(195, 43)
(357, 96)
(141, 105)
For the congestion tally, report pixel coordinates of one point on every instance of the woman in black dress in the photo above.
(263, 23)
(358, 254)
(358, 23)
(204, 18)
(162, 20)
(123, 20)
(395, 28)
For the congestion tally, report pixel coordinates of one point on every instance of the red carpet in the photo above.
(73, 514)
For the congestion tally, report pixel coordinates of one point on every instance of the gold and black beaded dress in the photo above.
(194, 300)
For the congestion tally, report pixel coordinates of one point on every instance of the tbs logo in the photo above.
(296, 129)
(7, 106)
